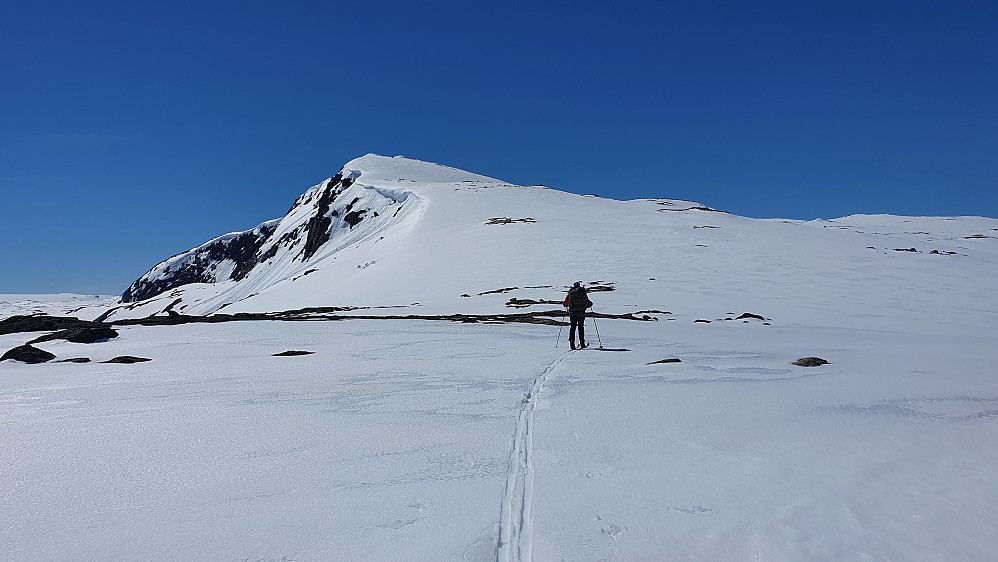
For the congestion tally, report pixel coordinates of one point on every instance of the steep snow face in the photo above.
(231, 256)
(330, 216)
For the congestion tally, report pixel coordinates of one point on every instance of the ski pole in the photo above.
(560, 326)
(597, 331)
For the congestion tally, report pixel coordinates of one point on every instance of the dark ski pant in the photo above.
(578, 319)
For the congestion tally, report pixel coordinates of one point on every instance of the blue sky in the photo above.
(132, 131)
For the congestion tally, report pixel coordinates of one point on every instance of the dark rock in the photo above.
(169, 309)
(523, 303)
(331, 314)
(506, 220)
(88, 334)
(672, 360)
(905, 250)
(506, 290)
(702, 321)
(466, 295)
(353, 218)
(40, 323)
(318, 225)
(241, 249)
(126, 359)
(810, 362)
(292, 353)
(749, 315)
(75, 360)
(28, 354)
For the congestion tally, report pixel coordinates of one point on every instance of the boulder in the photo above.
(28, 354)
(292, 353)
(810, 362)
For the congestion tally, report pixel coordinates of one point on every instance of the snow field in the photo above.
(414, 439)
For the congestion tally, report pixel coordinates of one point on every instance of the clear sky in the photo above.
(130, 131)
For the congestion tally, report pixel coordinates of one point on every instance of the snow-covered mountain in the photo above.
(398, 436)
(390, 234)
(393, 231)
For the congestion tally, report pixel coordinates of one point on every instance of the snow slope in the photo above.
(439, 244)
(431, 440)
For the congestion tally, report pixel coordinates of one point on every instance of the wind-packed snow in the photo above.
(436, 440)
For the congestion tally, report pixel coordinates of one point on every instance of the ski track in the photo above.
(515, 519)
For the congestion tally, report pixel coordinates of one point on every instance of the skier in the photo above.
(577, 302)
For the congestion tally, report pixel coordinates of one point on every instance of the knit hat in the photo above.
(577, 284)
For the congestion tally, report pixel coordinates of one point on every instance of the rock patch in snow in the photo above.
(506, 220)
(670, 360)
(27, 353)
(40, 323)
(496, 291)
(85, 334)
(127, 359)
(810, 362)
(523, 303)
(293, 353)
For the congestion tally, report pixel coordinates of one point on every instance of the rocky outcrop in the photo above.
(319, 223)
(41, 323)
(202, 264)
(28, 354)
(83, 334)
(309, 225)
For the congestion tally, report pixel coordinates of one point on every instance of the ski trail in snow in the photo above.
(515, 519)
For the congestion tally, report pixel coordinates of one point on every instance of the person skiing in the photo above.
(577, 302)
